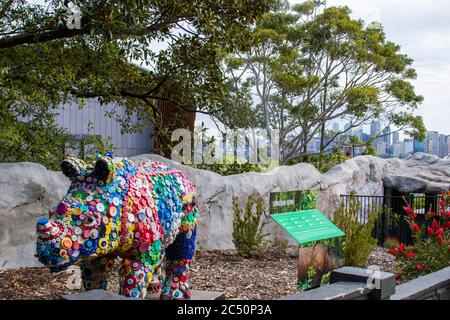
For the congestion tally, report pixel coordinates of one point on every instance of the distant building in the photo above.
(432, 142)
(396, 137)
(397, 149)
(91, 120)
(419, 146)
(381, 148)
(448, 145)
(375, 128)
(408, 146)
(348, 129)
(443, 146)
(386, 136)
(359, 133)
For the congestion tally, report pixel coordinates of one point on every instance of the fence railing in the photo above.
(391, 221)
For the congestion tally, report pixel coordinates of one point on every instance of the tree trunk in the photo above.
(172, 117)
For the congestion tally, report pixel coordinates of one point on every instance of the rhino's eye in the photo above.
(90, 221)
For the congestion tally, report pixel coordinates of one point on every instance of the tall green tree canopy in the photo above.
(176, 44)
(310, 64)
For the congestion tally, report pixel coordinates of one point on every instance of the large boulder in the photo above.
(28, 190)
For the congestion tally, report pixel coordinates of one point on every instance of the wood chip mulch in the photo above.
(268, 276)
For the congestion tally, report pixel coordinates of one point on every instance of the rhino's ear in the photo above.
(104, 169)
(73, 167)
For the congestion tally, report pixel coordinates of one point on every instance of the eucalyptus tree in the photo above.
(45, 60)
(310, 64)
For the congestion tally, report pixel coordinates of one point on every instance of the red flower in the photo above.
(419, 267)
(395, 251)
(415, 227)
(401, 248)
(410, 255)
(408, 210)
(442, 203)
(435, 224)
(430, 232)
(431, 214)
(441, 240)
(440, 231)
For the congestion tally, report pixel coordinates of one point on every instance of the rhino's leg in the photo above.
(134, 278)
(157, 281)
(178, 259)
(95, 273)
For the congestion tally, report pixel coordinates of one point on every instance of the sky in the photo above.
(422, 29)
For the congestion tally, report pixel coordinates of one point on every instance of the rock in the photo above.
(28, 190)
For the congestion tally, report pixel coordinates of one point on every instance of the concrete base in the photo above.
(98, 294)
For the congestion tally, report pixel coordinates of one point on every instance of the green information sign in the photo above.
(307, 226)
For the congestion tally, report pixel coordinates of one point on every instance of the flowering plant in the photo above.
(431, 250)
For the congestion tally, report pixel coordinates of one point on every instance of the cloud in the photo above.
(422, 29)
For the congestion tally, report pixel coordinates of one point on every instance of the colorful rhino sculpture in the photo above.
(146, 214)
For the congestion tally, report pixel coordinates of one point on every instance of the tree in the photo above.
(310, 65)
(43, 63)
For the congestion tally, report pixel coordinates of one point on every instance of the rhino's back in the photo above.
(171, 194)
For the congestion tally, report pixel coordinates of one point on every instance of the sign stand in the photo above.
(310, 229)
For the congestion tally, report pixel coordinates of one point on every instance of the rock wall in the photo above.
(28, 190)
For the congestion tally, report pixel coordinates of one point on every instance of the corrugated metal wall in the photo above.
(76, 121)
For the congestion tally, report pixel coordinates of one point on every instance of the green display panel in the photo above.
(291, 201)
(307, 226)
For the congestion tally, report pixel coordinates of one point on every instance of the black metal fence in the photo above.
(391, 221)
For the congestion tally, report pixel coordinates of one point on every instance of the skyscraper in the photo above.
(432, 143)
(375, 128)
(419, 146)
(396, 137)
(448, 145)
(381, 148)
(386, 136)
(443, 146)
(409, 146)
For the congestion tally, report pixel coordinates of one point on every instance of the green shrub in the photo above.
(248, 237)
(358, 242)
(228, 169)
(306, 283)
(431, 250)
(391, 243)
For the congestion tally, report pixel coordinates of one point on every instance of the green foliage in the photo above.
(358, 243)
(431, 250)
(247, 226)
(36, 140)
(322, 162)
(44, 64)
(391, 242)
(306, 283)
(362, 77)
(325, 279)
(309, 200)
(229, 169)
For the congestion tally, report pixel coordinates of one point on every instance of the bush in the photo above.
(247, 227)
(358, 242)
(391, 243)
(431, 251)
(228, 169)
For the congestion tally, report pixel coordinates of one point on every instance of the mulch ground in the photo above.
(268, 276)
